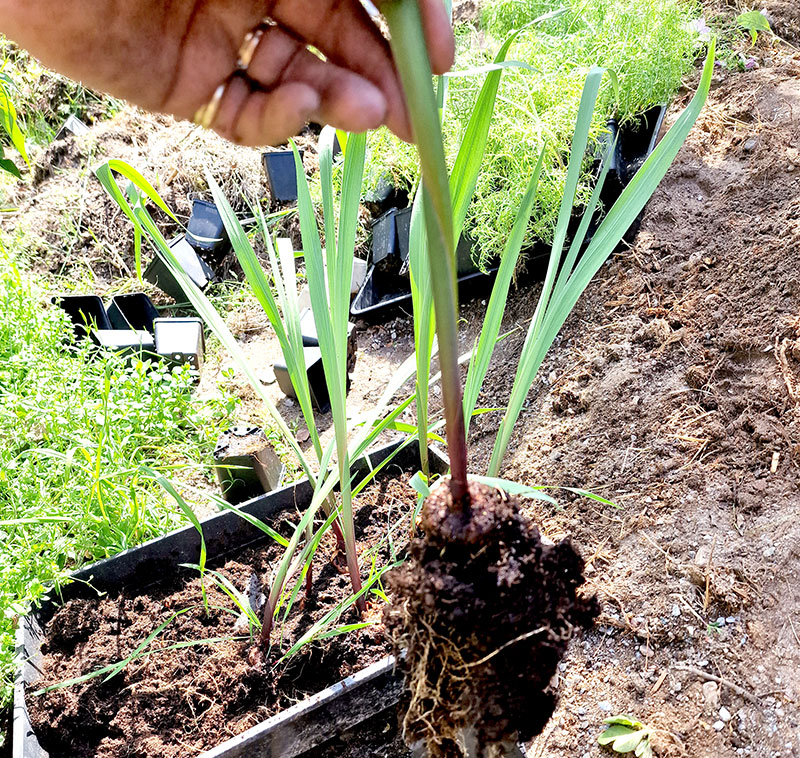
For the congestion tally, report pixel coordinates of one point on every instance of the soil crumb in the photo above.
(485, 611)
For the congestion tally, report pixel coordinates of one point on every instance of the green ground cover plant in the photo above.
(79, 440)
(650, 44)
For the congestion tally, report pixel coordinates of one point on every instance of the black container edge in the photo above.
(285, 735)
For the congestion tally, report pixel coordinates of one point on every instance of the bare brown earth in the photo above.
(674, 392)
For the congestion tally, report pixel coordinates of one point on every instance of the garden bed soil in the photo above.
(674, 390)
(189, 700)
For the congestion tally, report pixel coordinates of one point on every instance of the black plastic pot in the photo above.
(281, 176)
(206, 233)
(198, 270)
(86, 312)
(308, 330)
(316, 379)
(634, 144)
(380, 298)
(403, 221)
(384, 197)
(301, 727)
(127, 342)
(384, 237)
(383, 294)
(180, 340)
(72, 126)
(246, 465)
(134, 311)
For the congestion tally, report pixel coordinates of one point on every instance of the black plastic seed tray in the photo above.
(281, 175)
(197, 269)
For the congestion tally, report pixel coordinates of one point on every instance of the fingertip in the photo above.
(270, 118)
(352, 103)
(401, 127)
(438, 35)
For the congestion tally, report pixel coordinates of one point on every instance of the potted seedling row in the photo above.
(219, 538)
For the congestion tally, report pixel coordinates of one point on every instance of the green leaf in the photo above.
(8, 120)
(10, 167)
(514, 488)
(612, 733)
(141, 184)
(627, 742)
(559, 298)
(753, 22)
(624, 720)
(591, 496)
(479, 363)
(420, 483)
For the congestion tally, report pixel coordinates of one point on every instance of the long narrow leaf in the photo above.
(608, 235)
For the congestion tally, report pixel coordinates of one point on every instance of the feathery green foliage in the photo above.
(646, 42)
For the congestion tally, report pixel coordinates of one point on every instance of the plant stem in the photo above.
(413, 65)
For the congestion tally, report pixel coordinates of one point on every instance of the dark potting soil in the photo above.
(182, 702)
(485, 611)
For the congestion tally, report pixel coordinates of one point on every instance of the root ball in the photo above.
(484, 611)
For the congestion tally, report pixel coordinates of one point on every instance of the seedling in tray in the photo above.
(480, 656)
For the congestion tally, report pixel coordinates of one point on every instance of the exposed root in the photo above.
(484, 612)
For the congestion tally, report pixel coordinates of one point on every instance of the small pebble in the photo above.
(724, 714)
(768, 552)
(605, 706)
(719, 726)
(676, 610)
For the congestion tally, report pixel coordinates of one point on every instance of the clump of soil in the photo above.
(179, 702)
(485, 611)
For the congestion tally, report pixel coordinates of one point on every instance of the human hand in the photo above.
(173, 55)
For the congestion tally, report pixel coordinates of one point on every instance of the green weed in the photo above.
(76, 432)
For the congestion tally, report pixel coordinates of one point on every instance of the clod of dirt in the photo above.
(484, 610)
